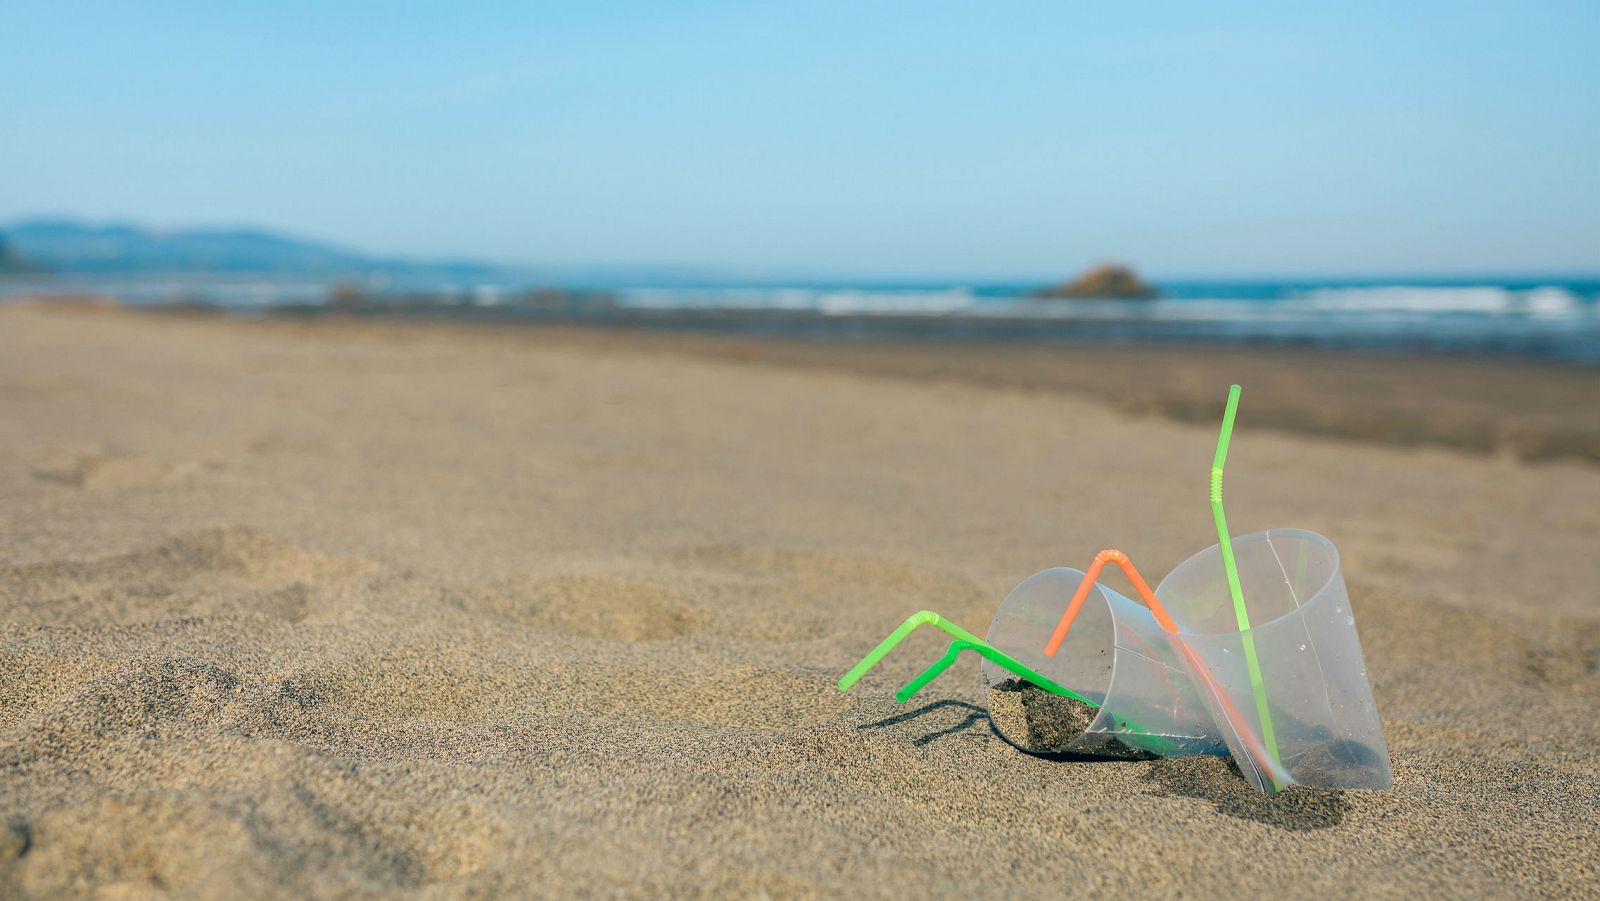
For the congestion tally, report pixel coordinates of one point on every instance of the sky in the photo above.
(877, 139)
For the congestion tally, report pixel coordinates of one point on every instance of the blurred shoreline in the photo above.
(1531, 410)
(1548, 317)
(1522, 408)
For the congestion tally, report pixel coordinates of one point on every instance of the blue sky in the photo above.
(871, 139)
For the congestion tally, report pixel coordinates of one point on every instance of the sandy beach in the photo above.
(340, 608)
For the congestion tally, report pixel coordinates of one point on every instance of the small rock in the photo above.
(1107, 280)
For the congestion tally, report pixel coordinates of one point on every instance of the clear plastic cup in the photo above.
(1116, 655)
(1324, 724)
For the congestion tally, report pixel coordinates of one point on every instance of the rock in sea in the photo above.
(1104, 281)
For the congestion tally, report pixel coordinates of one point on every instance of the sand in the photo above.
(1037, 721)
(339, 608)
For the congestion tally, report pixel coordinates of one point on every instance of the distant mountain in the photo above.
(69, 247)
(14, 263)
(76, 248)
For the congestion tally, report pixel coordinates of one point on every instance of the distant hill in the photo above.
(71, 247)
(14, 263)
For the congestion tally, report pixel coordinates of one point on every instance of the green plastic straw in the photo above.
(992, 653)
(968, 642)
(966, 639)
(1140, 738)
(1231, 568)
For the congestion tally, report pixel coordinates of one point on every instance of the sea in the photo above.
(1544, 318)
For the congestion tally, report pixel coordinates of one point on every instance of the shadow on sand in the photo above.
(1215, 780)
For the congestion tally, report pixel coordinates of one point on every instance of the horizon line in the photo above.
(760, 275)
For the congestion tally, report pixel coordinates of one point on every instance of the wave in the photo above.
(1549, 319)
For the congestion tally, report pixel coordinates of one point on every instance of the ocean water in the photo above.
(1539, 317)
(1545, 318)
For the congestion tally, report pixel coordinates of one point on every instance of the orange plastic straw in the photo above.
(1109, 555)
(1142, 588)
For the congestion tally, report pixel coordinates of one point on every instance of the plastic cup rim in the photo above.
(1215, 550)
